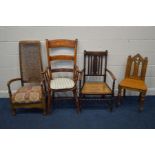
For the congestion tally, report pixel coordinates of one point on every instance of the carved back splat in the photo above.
(95, 63)
(136, 67)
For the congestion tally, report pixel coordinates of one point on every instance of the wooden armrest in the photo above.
(9, 83)
(13, 80)
(46, 70)
(76, 68)
(111, 74)
(81, 73)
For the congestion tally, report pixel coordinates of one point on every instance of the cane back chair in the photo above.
(61, 84)
(95, 64)
(134, 78)
(31, 94)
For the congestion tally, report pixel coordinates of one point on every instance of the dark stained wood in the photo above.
(94, 61)
(62, 70)
(95, 64)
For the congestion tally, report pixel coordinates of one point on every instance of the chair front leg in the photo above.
(44, 105)
(49, 101)
(119, 95)
(13, 111)
(124, 92)
(111, 102)
(76, 100)
(142, 97)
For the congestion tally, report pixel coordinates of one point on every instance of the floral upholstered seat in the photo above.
(31, 93)
(27, 94)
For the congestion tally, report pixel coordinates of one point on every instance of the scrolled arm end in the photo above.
(111, 74)
(9, 84)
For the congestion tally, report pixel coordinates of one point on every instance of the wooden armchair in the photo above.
(95, 65)
(61, 84)
(31, 94)
(134, 78)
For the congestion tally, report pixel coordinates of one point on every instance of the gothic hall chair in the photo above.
(31, 93)
(57, 76)
(134, 78)
(95, 66)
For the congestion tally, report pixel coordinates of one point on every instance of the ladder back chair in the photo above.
(61, 84)
(134, 78)
(95, 64)
(31, 94)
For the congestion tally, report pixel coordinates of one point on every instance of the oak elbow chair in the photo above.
(31, 94)
(61, 83)
(134, 78)
(95, 65)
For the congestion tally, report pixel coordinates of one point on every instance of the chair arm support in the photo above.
(111, 74)
(43, 87)
(81, 73)
(9, 84)
(46, 78)
(76, 73)
(114, 79)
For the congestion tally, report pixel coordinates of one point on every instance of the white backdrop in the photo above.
(119, 41)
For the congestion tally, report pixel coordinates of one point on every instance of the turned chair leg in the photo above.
(119, 95)
(44, 109)
(142, 96)
(13, 112)
(111, 105)
(124, 93)
(44, 101)
(49, 102)
(76, 100)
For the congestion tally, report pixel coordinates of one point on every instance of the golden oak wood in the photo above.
(61, 43)
(134, 78)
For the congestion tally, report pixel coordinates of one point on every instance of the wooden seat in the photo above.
(133, 84)
(92, 88)
(95, 65)
(134, 78)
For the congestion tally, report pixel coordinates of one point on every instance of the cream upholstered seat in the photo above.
(62, 83)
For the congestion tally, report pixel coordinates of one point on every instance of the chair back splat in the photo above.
(136, 67)
(61, 43)
(95, 64)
